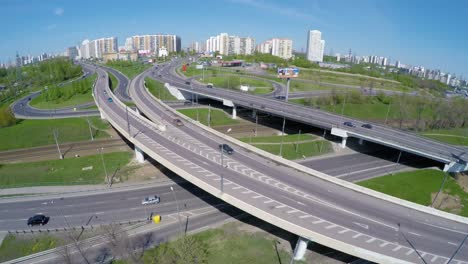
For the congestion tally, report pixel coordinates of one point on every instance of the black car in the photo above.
(226, 148)
(38, 219)
(347, 123)
(187, 82)
(368, 126)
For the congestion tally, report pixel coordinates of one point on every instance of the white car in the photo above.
(150, 200)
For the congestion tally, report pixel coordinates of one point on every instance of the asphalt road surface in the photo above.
(312, 203)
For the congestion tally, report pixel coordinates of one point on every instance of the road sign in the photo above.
(288, 72)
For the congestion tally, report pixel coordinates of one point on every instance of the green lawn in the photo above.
(33, 133)
(114, 82)
(13, 247)
(277, 139)
(218, 117)
(234, 82)
(456, 136)
(62, 172)
(297, 86)
(129, 68)
(292, 151)
(223, 247)
(417, 186)
(158, 90)
(77, 98)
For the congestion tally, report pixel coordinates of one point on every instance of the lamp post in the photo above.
(104, 164)
(178, 211)
(221, 173)
(282, 137)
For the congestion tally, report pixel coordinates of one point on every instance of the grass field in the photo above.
(456, 136)
(33, 133)
(218, 117)
(307, 149)
(114, 81)
(129, 69)
(417, 186)
(13, 247)
(277, 139)
(234, 83)
(158, 90)
(230, 246)
(78, 98)
(62, 172)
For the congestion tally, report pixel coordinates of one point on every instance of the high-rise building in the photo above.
(230, 45)
(315, 46)
(72, 52)
(281, 48)
(264, 47)
(152, 43)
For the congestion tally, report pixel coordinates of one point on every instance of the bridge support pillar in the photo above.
(361, 141)
(343, 142)
(102, 115)
(301, 247)
(139, 155)
(254, 113)
(234, 112)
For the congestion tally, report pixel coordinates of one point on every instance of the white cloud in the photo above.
(51, 27)
(280, 10)
(58, 11)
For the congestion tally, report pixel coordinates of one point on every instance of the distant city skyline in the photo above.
(399, 30)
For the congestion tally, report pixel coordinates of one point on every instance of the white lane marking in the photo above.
(343, 231)
(397, 248)
(248, 191)
(409, 252)
(357, 235)
(258, 196)
(304, 216)
(423, 254)
(451, 243)
(448, 229)
(331, 226)
(361, 225)
(292, 211)
(237, 187)
(434, 258)
(384, 244)
(227, 183)
(318, 221)
(269, 201)
(371, 240)
(301, 203)
(280, 206)
(416, 234)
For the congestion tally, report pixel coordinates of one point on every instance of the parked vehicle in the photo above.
(177, 122)
(150, 200)
(368, 126)
(38, 219)
(226, 149)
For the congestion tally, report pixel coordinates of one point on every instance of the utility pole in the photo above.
(90, 130)
(104, 165)
(209, 115)
(321, 145)
(397, 163)
(55, 132)
(343, 107)
(282, 137)
(178, 210)
(256, 123)
(128, 122)
(288, 81)
(298, 139)
(388, 111)
(222, 166)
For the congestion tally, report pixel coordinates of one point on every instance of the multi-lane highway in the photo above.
(318, 209)
(403, 140)
(74, 210)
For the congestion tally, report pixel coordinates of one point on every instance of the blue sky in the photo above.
(418, 32)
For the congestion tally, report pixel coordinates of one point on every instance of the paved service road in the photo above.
(365, 224)
(379, 134)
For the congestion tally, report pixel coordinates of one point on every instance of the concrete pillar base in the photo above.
(234, 112)
(139, 155)
(343, 142)
(103, 117)
(361, 141)
(301, 247)
(254, 113)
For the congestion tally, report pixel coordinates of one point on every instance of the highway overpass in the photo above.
(310, 204)
(454, 157)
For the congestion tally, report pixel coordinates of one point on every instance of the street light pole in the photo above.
(128, 122)
(104, 164)
(221, 174)
(90, 130)
(282, 137)
(388, 111)
(56, 143)
(398, 161)
(178, 211)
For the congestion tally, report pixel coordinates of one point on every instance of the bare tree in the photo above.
(123, 246)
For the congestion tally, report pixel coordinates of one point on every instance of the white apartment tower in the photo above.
(315, 46)
(230, 45)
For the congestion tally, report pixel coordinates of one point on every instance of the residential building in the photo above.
(265, 47)
(282, 48)
(153, 43)
(72, 52)
(230, 45)
(315, 46)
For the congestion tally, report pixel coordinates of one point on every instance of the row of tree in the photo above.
(403, 110)
(62, 93)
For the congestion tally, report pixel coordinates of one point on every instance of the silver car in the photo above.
(150, 200)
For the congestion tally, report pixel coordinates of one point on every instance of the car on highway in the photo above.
(187, 82)
(38, 219)
(209, 85)
(177, 122)
(368, 126)
(150, 200)
(226, 149)
(347, 123)
(280, 97)
(110, 100)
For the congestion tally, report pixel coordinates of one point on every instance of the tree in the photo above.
(7, 118)
(420, 105)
